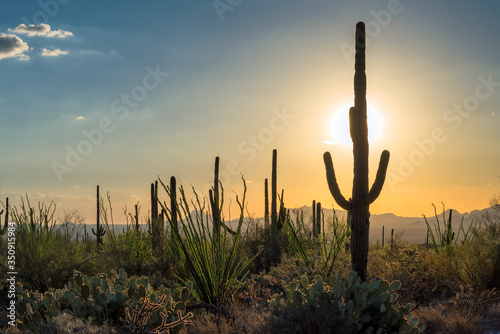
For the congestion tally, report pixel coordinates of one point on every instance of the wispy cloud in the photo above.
(12, 46)
(80, 118)
(53, 53)
(40, 30)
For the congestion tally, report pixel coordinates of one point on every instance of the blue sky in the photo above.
(277, 72)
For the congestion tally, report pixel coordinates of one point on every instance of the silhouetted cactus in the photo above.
(99, 232)
(383, 236)
(6, 221)
(274, 210)
(318, 218)
(314, 219)
(173, 203)
(136, 217)
(448, 234)
(362, 196)
(214, 201)
(282, 213)
(156, 227)
(266, 205)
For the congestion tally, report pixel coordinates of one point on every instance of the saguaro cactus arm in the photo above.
(379, 179)
(332, 183)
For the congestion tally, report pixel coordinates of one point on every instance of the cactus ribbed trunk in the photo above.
(156, 230)
(383, 236)
(173, 203)
(274, 209)
(136, 218)
(359, 205)
(360, 224)
(314, 219)
(214, 202)
(99, 232)
(318, 218)
(266, 205)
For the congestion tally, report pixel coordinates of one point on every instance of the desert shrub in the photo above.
(46, 254)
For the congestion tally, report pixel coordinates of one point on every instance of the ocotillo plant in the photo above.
(100, 232)
(362, 196)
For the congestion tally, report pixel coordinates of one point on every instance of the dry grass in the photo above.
(439, 319)
(66, 324)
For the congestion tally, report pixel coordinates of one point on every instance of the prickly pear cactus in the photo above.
(367, 307)
(101, 298)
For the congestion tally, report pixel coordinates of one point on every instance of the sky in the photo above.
(119, 93)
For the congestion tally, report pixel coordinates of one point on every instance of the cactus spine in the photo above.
(362, 196)
(100, 232)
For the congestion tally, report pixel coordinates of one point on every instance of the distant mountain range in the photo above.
(412, 229)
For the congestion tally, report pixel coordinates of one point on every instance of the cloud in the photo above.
(12, 46)
(53, 53)
(40, 30)
(80, 117)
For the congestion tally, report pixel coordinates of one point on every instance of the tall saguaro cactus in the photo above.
(362, 196)
(173, 203)
(274, 208)
(266, 205)
(156, 228)
(100, 232)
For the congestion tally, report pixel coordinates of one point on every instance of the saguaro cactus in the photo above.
(362, 196)
(314, 220)
(266, 205)
(318, 218)
(100, 232)
(274, 209)
(136, 217)
(6, 222)
(173, 203)
(156, 228)
(214, 201)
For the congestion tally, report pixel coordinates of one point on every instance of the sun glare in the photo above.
(339, 126)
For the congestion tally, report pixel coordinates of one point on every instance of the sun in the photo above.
(339, 126)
